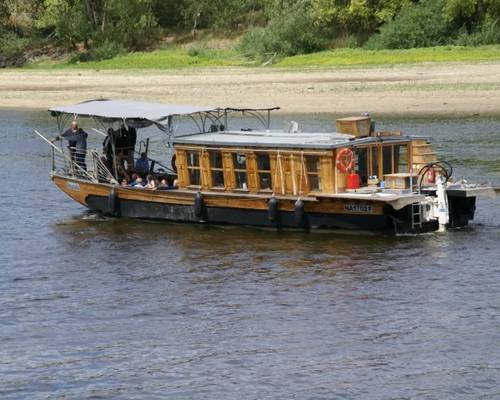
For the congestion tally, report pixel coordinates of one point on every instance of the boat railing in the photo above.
(86, 165)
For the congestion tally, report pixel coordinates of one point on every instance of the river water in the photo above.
(120, 309)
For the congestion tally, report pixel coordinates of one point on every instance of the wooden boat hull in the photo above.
(178, 205)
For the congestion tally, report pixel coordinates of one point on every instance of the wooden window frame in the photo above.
(263, 171)
(399, 159)
(213, 169)
(316, 173)
(239, 170)
(395, 167)
(193, 168)
(373, 171)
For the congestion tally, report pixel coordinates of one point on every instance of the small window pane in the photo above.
(193, 159)
(263, 163)
(314, 183)
(265, 180)
(194, 177)
(241, 180)
(387, 159)
(401, 158)
(312, 163)
(240, 161)
(215, 159)
(362, 164)
(218, 178)
(374, 161)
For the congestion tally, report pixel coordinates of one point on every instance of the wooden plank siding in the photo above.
(79, 190)
(289, 168)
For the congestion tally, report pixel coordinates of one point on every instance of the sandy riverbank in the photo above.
(424, 89)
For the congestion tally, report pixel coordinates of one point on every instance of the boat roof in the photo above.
(125, 109)
(279, 139)
(140, 110)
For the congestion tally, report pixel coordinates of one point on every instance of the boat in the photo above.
(356, 178)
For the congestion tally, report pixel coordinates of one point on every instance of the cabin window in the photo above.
(313, 177)
(395, 159)
(387, 159)
(240, 170)
(264, 171)
(374, 161)
(362, 164)
(193, 165)
(216, 169)
(401, 158)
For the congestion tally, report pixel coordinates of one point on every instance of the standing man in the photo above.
(142, 165)
(77, 139)
(108, 148)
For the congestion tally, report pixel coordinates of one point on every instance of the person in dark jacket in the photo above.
(77, 139)
(108, 146)
(125, 145)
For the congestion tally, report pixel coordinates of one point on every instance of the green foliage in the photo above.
(105, 50)
(362, 57)
(103, 29)
(488, 33)
(128, 22)
(355, 17)
(168, 12)
(11, 44)
(417, 25)
(161, 59)
(180, 58)
(471, 14)
(214, 14)
(288, 34)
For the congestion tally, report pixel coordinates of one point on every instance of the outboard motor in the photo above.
(442, 203)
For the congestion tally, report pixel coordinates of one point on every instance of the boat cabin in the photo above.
(295, 163)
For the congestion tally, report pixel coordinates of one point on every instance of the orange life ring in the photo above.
(345, 160)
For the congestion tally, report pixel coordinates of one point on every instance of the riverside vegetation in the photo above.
(176, 34)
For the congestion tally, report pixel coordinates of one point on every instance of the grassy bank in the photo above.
(178, 58)
(353, 57)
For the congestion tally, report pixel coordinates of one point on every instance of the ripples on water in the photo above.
(103, 308)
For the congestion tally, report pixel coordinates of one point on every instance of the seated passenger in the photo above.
(163, 185)
(151, 182)
(138, 183)
(124, 182)
(133, 179)
(142, 165)
(175, 184)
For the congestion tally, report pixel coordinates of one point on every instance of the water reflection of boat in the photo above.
(355, 178)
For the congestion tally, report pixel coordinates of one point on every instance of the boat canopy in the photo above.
(142, 114)
(129, 110)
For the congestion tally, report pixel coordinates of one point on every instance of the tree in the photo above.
(20, 15)
(130, 23)
(359, 17)
(471, 14)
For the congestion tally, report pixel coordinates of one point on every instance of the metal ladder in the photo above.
(416, 216)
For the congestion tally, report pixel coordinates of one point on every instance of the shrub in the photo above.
(106, 50)
(11, 44)
(101, 51)
(287, 34)
(487, 33)
(417, 25)
(254, 42)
